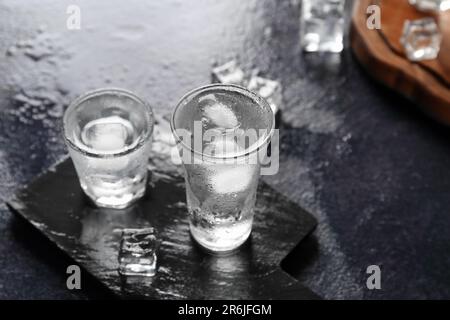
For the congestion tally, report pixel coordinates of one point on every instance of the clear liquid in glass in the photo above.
(221, 194)
(110, 145)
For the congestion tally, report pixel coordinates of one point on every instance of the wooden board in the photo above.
(55, 204)
(426, 82)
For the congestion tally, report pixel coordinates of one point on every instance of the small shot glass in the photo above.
(108, 134)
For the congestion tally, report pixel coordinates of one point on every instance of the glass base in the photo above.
(214, 244)
(116, 202)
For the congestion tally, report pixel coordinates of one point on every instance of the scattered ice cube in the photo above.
(108, 134)
(229, 73)
(218, 114)
(268, 89)
(138, 252)
(431, 5)
(421, 39)
(322, 25)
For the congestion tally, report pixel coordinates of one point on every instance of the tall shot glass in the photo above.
(222, 133)
(108, 134)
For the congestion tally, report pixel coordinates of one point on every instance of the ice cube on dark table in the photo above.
(268, 89)
(229, 73)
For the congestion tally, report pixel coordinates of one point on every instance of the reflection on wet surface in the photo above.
(102, 229)
(92, 237)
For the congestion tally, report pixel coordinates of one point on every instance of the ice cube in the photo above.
(268, 89)
(421, 39)
(322, 25)
(431, 5)
(107, 134)
(218, 114)
(232, 179)
(222, 145)
(138, 252)
(229, 73)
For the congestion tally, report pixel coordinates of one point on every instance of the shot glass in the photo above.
(108, 134)
(222, 133)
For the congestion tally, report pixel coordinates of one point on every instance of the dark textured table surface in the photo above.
(371, 169)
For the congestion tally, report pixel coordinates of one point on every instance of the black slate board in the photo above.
(55, 204)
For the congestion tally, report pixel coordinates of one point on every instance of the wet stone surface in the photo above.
(369, 167)
(119, 247)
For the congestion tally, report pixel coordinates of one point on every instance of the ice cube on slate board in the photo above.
(138, 252)
(229, 73)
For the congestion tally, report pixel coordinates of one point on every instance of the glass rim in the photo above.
(230, 88)
(142, 139)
